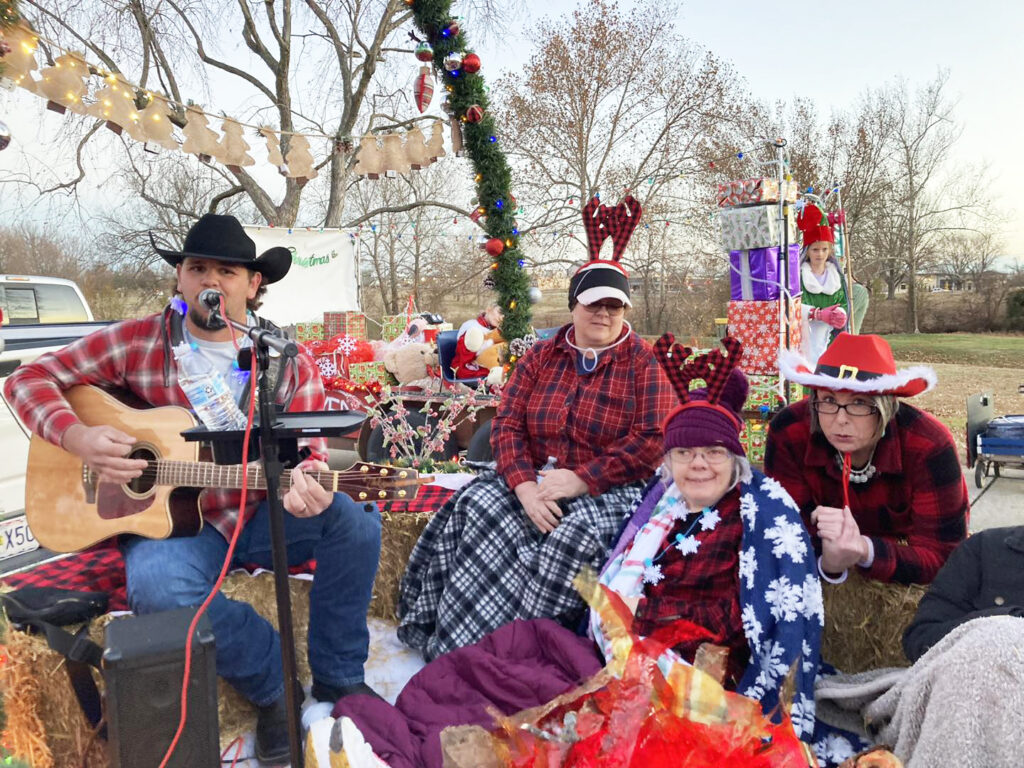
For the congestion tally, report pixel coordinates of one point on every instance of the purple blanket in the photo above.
(523, 664)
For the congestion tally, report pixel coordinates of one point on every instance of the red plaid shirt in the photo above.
(605, 426)
(915, 507)
(703, 588)
(129, 357)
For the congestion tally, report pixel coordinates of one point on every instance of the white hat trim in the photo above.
(790, 361)
(599, 292)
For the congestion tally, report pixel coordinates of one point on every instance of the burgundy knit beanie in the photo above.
(699, 423)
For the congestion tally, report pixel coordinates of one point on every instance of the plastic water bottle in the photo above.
(206, 390)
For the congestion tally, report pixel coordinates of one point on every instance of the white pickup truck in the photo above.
(37, 314)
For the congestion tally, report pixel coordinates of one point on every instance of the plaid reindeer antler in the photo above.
(712, 367)
(594, 226)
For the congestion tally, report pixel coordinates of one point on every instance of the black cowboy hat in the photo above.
(222, 238)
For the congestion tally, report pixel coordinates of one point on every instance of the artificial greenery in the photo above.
(493, 176)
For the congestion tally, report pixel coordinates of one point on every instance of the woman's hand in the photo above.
(834, 316)
(842, 545)
(307, 498)
(560, 484)
(544, 514)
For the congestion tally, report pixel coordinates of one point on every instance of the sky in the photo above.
(828, 51)
(831, 52)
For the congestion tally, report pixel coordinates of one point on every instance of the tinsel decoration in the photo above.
(433, 19)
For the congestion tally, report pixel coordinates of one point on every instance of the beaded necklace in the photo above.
(687, 543)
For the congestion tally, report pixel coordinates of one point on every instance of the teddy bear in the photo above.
(490, 349)
(410, 363)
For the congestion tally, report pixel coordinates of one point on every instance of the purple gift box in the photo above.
(754, 274)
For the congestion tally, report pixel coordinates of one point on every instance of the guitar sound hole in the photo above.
(145, 482)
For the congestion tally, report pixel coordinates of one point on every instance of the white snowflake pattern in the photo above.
(687, 545)
(748, 566)
(803, 715)
(785, 600)
(709, 519)
(772, 666)
(833, 748)
(812, 603)
(748, 510)
(653, 574)
(752, 627)
(347, 345)
(807, 657)
(787, 539)
(327, 367)
(774, 489)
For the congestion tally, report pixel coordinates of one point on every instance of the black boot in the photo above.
(272, 745)
(331, 693)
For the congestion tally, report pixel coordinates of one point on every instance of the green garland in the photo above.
(493, 176)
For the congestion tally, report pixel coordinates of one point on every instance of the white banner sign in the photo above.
(323, 276)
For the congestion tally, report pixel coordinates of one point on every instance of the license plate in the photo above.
(16, 538)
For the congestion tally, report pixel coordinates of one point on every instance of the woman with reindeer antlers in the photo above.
(719, 544)
(576, 436)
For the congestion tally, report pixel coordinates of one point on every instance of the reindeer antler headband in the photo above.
(605, 278)
(712, 367)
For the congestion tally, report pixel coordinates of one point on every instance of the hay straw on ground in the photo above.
(400, 531)
(45, 725)
(865, 621)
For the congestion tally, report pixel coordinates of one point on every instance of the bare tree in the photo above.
(613, 102)
(315, 66)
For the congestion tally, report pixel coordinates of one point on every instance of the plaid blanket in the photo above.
(480, 563)
(101, 567)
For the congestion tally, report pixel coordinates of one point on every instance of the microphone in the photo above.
(211, 299)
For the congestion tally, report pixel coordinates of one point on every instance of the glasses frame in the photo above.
(596, 307)
(674, 456)
(817, 405)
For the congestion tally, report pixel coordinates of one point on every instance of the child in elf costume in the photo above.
(823, 289)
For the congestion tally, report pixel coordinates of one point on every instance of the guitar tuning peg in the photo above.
(401, 494)
(364, 468)
(382, 494)
(383, 472)
(403, 474)
(362, 495)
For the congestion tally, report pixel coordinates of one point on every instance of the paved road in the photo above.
(1000, 502)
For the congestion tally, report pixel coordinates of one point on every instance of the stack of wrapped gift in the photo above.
(759, 272)
(306, 332)
(344, 324)
(393, 326)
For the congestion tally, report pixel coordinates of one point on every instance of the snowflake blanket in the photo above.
(780, 594)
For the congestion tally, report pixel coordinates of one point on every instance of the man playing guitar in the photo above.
(135, 358)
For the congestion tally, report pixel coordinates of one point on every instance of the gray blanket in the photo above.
(962, 703)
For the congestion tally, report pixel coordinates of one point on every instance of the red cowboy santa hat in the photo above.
(858, 363)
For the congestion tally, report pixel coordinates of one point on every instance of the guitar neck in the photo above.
(362, 483)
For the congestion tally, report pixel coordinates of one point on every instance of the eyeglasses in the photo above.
(612, 309)
(716, 454)
(857, 408)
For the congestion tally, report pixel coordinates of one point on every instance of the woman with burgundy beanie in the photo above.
(718, 544)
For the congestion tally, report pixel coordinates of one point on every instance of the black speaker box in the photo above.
(143, 665)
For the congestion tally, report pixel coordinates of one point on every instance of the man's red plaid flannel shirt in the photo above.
(129, 356)
(915, 507)
(605, 425)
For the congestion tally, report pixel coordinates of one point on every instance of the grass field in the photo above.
(974, 349)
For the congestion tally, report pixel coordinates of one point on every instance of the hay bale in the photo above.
(399, 534)
(865, 621)
(45, 725)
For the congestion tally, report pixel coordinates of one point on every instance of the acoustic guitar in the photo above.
(68, 509)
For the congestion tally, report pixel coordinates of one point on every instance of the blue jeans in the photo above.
(345, 540)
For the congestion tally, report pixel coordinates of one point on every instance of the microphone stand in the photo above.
(264, 341)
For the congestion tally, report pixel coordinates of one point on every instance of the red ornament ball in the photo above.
(494, 246)
(474, 113)
(471, 63)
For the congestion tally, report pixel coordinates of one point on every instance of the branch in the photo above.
(225, 195)
(408, 207)
(78, 160)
